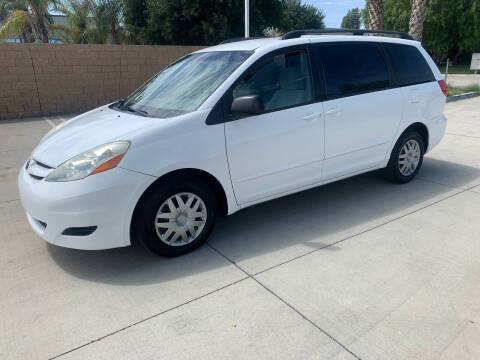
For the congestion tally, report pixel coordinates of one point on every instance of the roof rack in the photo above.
(297, 33)
(239, 39)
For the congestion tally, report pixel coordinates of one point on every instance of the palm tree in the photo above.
(375, 14)
(91, 21)
(108, 14)
(23, 16)
(79, 20)
(416, 19)
(18, 25)
(13, 15)
(41, 17)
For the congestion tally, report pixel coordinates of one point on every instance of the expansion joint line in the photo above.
(286, 303)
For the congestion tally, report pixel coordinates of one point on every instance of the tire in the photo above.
(154, 216)
(402, 160)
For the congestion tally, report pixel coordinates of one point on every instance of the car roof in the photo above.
(255, 44)
(250, 44)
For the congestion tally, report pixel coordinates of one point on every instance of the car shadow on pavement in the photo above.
(132, 265)
(309, 220)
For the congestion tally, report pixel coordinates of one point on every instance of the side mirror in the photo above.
(249, 104)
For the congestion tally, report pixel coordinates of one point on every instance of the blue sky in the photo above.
(335, 10)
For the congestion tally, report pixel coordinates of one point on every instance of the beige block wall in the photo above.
(47, 79)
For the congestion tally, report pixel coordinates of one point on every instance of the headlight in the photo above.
(101, 158)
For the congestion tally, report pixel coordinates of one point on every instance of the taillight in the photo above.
(443, 86)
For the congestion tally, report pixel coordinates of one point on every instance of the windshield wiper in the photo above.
(137, 111)
(121, 106)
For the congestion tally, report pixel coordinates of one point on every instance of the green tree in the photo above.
(7, 6)
(469, 27)
(108, 14)
(23, 16)
(441, 28)
(352, 19)
(396, 15)
(299, 16)
(450, 28)
(78, 13)
(192, 22)
(16, 21)
(91, 21)
(206, 22)
(364, 16)
(263, 14)
(135, 20)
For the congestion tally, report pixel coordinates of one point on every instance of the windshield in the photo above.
(183, 86)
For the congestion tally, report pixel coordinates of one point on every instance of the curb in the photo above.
(462, 96)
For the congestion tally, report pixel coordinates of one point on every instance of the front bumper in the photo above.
(105, 200)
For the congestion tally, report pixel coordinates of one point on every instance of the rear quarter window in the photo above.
(408, 65)
(352, 68)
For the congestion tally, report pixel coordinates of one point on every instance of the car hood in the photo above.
(97, 127)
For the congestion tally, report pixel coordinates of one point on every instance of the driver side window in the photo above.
(282, 81)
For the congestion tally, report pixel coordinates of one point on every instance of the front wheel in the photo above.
(175, 217)
(406, 158)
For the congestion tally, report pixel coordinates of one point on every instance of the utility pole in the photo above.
(247, 18)
(446, 70)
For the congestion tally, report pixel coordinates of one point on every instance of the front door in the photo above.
(281, 149)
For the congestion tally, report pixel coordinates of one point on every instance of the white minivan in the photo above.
(230, 126)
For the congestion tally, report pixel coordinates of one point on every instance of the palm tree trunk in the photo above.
(39, 22)
(113, 31)
(375, 14)
(45, 38)
(26, 36)
(416, 19)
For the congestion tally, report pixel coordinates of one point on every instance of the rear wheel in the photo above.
(175, 217)
(406, 158)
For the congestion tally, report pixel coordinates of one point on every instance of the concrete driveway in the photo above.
(357, 269)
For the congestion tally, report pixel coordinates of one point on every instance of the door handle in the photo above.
(334, 111)
(312, 117)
